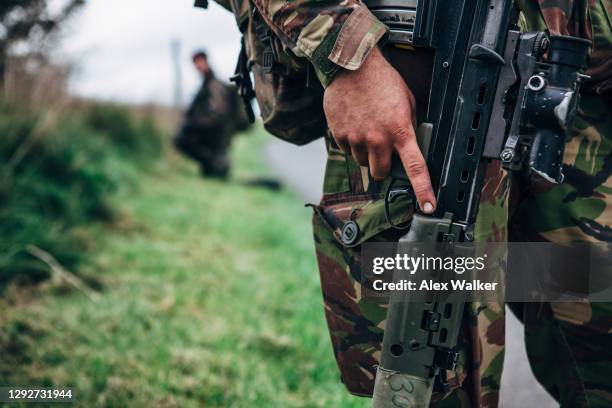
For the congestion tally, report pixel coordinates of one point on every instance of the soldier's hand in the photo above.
(371, 113)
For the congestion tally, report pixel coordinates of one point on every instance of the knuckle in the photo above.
(376, 143)
(420, 189)
(340, 136)
(415, 167)
(400, 134)
(355, 140)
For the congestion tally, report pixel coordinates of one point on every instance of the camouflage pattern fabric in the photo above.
(356, 323)
(331, 34)
(574, 338)
(569, 344)
(290, 102)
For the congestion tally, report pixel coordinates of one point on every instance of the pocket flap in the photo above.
(353, 221)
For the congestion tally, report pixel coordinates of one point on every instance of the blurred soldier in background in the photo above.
(210, 121)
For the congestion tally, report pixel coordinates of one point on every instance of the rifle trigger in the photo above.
(391, 194)
(394, 194)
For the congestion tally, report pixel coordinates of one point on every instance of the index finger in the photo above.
(416, 169)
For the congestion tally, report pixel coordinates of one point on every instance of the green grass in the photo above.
(57, 175)
(210, 298)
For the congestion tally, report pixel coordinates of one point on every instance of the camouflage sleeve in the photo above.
(331, 34)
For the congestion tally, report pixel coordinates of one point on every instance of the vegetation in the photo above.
(207, 292)
(125, 275)
(28, 24)
(57, 174)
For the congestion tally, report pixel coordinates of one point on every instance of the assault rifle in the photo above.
(497, 94)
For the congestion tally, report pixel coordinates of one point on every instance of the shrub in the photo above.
(56, 177)
(136, 138)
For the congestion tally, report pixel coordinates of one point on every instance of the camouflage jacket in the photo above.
(331, 34)
(336, 34)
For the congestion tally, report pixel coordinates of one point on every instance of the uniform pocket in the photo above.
(341, 224)
(289, 110)
(354, 219)
(290, 102)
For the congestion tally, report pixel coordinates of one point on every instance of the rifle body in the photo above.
(481, 107)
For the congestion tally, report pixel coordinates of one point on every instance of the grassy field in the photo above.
(208, 296)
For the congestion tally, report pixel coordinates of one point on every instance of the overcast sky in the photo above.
(121, 48)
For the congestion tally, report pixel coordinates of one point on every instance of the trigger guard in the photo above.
(390, 196)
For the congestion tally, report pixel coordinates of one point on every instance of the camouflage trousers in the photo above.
(569, 345)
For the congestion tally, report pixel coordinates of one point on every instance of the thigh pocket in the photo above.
(354, 219)
(342, 223)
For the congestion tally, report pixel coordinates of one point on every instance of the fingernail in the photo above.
(428, 208)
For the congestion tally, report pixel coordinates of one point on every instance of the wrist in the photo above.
(348, 47)
(372, 62)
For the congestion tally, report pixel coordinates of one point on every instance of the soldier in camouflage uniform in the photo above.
(210, 121)
(569, 345)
